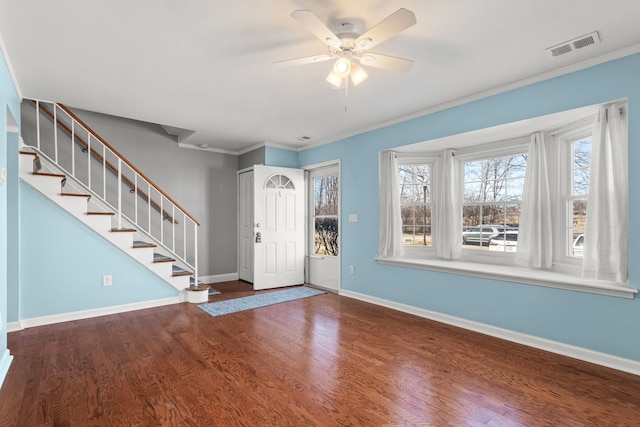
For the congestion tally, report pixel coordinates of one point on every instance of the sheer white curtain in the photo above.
(447, 208)
(535, 238)
(605, 238)
(391, 244)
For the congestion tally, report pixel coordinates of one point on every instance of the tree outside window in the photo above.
(415, 202)
(326, 236)
(579, 192)
(492, 196)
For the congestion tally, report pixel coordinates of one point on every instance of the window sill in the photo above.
(524, 275)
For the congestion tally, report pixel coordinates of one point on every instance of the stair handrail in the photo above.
(91, 134)
(124, 159)
(99, 157)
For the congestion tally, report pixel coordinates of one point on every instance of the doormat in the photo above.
(221, 308)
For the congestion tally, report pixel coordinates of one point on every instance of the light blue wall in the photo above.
(9, 100)
(600, 323)
(280, 157)
(63, 261)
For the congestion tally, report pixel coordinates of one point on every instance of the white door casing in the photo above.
(245, 226)
(279, 216)
(323, 263)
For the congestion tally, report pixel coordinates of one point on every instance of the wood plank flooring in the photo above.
(320, 361)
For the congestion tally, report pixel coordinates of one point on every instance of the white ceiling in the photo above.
(207, 66)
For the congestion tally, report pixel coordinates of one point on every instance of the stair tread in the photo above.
(162, 258)
(140, 244)
(75, 194)
(29, 153)
(56, 175)
(123, 230)
(179, 271)
(100, 213)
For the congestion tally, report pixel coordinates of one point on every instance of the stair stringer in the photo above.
(77, 206)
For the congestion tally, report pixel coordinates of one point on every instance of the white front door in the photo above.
(324, 227)
(278, 227)
(245, 226)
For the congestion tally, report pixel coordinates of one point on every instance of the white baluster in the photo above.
(55, 133)
(195, 263)
(149, 203)
(89, 160)
(173, 227)
(161, 223)
(104, 172)
(119, 193)
(38, 124)
(135, 198)
(73, 146)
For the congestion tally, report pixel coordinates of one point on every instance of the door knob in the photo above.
(258, 237)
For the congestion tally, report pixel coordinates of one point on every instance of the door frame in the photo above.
(239, 225)
(307, 169)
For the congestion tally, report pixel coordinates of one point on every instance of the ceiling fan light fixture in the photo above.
(342, 68)
(334, 80)
(358, 74)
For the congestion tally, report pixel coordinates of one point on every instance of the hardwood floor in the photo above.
(320, 361)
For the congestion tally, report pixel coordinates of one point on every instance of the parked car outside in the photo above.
(578, 245)
(505, 242)
(481, 234)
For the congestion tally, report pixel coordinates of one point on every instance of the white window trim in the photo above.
(501, 266)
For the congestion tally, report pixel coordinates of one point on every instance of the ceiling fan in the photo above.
(350, 49)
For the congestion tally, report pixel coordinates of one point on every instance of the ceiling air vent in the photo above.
(575, 44)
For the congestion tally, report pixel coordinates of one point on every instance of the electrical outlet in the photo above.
(107, 280)
(352, 269)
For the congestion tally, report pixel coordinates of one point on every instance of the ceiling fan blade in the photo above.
(302, 61)
(316, 27)
(393, 24)
(385, 62)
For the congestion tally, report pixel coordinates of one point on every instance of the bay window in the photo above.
(492, 182)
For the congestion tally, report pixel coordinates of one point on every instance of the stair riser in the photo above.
(142, 255)
(122, 240)
(162, 269)
(179, 282)
(99, 223)
(45, 184)
(26, 162)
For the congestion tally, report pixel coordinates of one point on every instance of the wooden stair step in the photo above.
(181, 273)
(178, 271)
(140, 244)
(162, 258)
(123, 230)
(29, 153)
(100, 213)
(88, 196)
(55, 175)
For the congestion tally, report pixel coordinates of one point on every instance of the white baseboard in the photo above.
(5, 362)
(86, 314)
(217, 278)
(580, 353)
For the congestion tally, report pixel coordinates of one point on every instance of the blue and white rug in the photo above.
(221, 308)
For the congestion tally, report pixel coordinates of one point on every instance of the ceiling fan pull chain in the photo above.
(346, 93)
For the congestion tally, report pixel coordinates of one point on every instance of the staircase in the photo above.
(143, 222)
